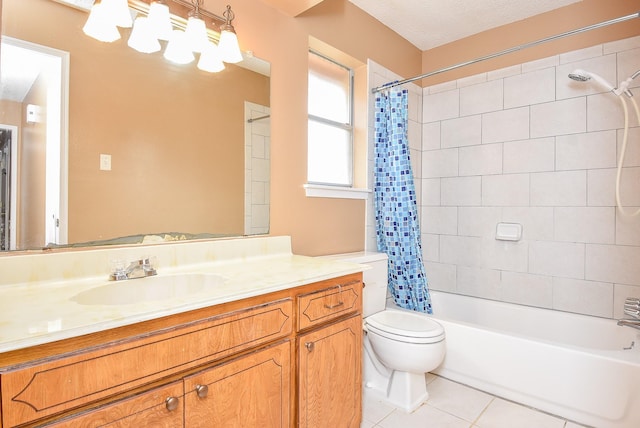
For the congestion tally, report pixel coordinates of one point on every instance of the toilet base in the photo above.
(403, 393)
(404, 390)
(407, 391)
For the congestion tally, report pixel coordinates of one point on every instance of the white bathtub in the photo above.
(570, 365)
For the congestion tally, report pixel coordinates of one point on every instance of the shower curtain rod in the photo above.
(253, 119)
(507, 51)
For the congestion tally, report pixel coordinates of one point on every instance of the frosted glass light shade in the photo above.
(142, 37)
(197, 34)
(210, 59)
(229, 49)
(160, 20)
(99, 26)
(178, 49)
(119, 12)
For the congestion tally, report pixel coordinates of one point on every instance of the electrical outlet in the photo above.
(105, 162)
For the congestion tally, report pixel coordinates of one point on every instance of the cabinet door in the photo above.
(250, 391)
(159, 408)
(329, 376)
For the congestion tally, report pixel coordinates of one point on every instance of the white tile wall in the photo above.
(547, 160)
(257, 170)
(529, 155)
(463, 131)
(505, 125)
(526, 144)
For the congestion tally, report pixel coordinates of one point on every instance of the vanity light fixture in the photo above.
(119, 9)
(155, 23)
(160, 19)
(143, 37)
(210, 59)
(98, 25)
(196, 29)
(229, 49)
(178, 49)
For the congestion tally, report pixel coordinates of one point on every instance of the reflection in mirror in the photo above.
(155, 149)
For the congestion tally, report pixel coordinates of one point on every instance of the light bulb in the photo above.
(160, 20)
(210, 59)
(119, 12)
(197, 34)
(178, 49)
(228, 45)
(98, 24)
(142, 36)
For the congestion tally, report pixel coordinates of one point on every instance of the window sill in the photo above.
(321, 191)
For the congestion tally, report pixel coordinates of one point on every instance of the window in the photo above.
(330, 135)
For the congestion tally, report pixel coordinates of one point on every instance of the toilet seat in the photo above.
(405, 326)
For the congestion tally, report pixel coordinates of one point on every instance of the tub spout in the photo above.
(630, 323)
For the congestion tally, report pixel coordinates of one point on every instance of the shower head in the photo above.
(580, 75)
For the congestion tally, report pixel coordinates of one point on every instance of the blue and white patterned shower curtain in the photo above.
(397, 228)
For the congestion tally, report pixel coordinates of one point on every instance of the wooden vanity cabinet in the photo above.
(329, 376)
(250, 391)
(283, 359)
(330, 357)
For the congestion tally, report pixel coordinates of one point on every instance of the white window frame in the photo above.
(338, 190)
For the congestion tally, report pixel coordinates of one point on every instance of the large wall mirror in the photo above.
(148, 148)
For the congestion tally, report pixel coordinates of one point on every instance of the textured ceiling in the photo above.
(430, 23)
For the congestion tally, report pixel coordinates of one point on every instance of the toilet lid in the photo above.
(405, 323)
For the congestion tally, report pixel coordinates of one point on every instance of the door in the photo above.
(161, 407)
(329, 375)
(250, 391)
(5, 188)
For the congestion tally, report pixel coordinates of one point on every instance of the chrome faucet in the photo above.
(631, 308)
(137, 269)
(630, 323)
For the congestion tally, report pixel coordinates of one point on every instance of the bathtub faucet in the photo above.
(630, 323)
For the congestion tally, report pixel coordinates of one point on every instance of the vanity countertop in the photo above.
(41, 311)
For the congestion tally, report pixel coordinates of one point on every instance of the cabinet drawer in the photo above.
(329, 303)
(68, 381)
(161, 407)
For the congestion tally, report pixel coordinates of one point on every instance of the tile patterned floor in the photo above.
(452, 405)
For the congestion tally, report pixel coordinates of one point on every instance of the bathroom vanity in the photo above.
(274, 341)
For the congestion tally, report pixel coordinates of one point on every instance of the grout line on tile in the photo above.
(494, 396)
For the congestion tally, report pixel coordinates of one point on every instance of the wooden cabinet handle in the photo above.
(202, 391)
(309, 346)
(172, 403)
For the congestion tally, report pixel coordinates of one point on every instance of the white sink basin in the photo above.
(152, 288)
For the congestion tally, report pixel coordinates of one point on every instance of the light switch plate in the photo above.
(105, 162)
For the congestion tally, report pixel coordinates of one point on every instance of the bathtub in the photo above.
(581, 368)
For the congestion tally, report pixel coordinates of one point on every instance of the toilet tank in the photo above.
(374, 295)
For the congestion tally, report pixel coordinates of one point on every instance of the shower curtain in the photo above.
(397, 228)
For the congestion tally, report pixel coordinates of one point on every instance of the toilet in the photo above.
(400, 346)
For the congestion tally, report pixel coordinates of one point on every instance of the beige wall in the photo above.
(32, 154)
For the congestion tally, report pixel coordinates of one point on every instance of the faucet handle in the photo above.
(148, 266)
(632, 307)
(118, 270)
